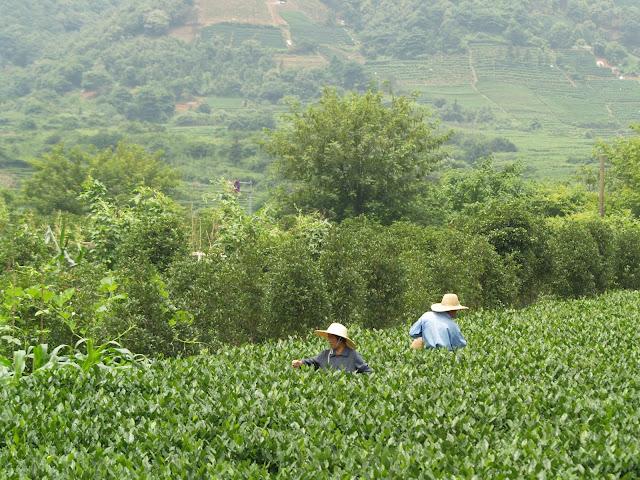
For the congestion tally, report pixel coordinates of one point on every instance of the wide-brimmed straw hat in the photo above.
(449, 303)
(338, 330)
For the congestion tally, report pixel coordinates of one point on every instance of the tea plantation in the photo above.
(550, 391)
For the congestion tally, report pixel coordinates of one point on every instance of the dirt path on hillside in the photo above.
(272, 5)
(278, 21)
(474, 81)
(608, 107)
(474, 76)
(566, 75)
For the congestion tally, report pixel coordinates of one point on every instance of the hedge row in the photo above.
(260, 279)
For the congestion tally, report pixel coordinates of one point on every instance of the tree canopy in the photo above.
(624, 155)
(355, 154)
(60, 175)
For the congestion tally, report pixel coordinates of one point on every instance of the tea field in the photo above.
(551, 391)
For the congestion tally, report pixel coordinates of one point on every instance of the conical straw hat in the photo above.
(338, 330)
(449, 303)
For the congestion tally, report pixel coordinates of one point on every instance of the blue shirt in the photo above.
(438, 330)
(349, 361)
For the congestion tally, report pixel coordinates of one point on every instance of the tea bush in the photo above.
(548, 391)
(364, 274)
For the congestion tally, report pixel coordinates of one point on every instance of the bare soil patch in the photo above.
(186, 106)
(7, 180)
(186, 33)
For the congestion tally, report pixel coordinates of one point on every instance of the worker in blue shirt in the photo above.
(341, 356)
(437, 328)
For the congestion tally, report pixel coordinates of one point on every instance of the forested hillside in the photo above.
(198, 79)
(416, 28)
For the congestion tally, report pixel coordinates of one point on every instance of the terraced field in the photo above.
(303, 29)
(237, 33)
(551, 105)
(247, 11)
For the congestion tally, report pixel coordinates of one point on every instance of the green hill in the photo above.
(158, 73)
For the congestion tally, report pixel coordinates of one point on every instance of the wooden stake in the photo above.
(601, 182)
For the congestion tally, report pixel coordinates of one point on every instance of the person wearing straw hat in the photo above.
(341, 356)
(437, 328)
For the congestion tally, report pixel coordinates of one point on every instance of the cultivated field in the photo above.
(236, 33)
(301, 61)
(547, 392)
(552, 106)
(303, 29)
(245, 11)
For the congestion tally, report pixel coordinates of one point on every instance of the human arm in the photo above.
(416, 329)
(456, 339)
(360, 365)
(312, 361)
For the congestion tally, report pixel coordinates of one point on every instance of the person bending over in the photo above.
(341, 356)
(437, 328)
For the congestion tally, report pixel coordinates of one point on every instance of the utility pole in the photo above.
(601, 184)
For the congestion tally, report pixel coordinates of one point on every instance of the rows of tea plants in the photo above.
(550, 391)
(267, 36)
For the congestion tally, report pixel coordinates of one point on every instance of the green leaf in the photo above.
(19, 363)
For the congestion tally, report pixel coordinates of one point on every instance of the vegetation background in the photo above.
(182, 178)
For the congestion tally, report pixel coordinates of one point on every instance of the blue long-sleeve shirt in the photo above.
(349, 361)
(438, 330)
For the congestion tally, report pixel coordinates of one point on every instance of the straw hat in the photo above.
(449, 303)
(338, 330)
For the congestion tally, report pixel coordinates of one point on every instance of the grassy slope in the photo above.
(547, 389)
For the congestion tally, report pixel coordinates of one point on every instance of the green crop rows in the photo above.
(551, 390)
(552, 105)
(304, 30)
(237, 33)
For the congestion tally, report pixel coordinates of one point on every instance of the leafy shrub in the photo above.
(154, 232)
(294, 298)
(627, 253)
(143, 320)
(581, 256)
(223, 295)
(363, 273)
(447, 260)
(518, 236)
(21, 242)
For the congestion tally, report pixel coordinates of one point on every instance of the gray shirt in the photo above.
(349, 361)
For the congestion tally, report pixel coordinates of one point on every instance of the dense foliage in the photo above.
(547, 391)
(409, 28)
(624, 156)
(353, 155)
(124, 269)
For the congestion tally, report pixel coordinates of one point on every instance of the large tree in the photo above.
(59, 175)
(355, 154)
(624, 156)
